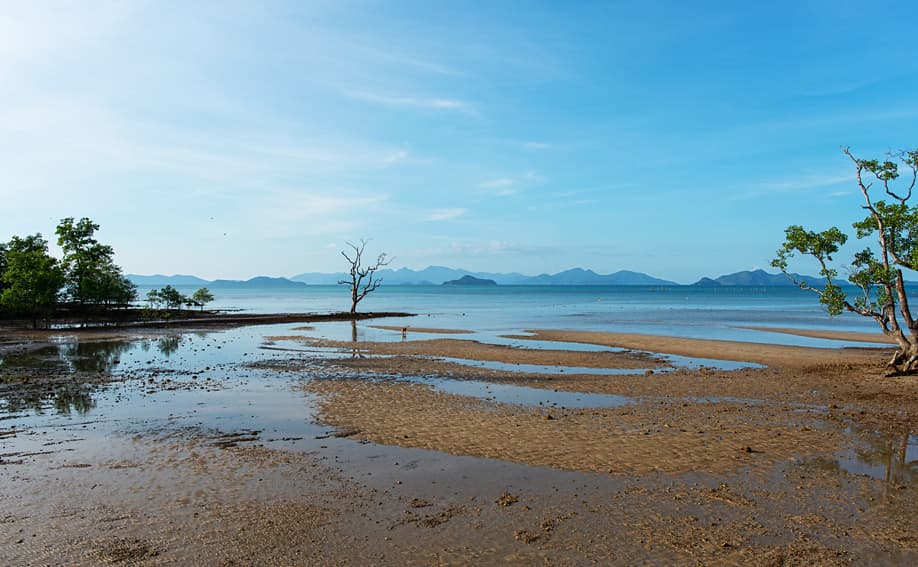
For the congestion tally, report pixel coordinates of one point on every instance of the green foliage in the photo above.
(820, 245)
(167, 297)
(91, 274)
(833, 298)
(31, 278)
(202, 297)
(2, 264)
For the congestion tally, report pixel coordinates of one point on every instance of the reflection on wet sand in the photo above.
(892, 457)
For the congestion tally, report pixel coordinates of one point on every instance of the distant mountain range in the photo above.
(186, 281)
(437, 275)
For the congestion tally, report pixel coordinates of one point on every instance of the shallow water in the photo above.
(683, 311)
(343, 332)
(890, 458)
(523, 395)
(200, 381)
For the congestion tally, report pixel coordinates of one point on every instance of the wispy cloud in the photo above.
(511, 185)
(802, 182)
(315, 211)
(472, 247)
(498, 183)
(444, 214)
(430, 103)
(420, 64)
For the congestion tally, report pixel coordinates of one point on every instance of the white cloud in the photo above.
(444, 214)
(511, 185)
(473, 247)
(395, 157)
(801, 182)
(498, 183)
(433, 103)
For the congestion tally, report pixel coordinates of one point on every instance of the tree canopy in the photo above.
(167, 297)
(31, 278)
(34, 284)
(202, 297)
(91, 275)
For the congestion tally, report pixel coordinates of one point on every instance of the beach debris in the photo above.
(506, 499)
(526, 536)
(127, 549)
(339, 434)
(228, 440)
(441, 518)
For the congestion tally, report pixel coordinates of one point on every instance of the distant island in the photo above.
(760, 278)
(471, 280)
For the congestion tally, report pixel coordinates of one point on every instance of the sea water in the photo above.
(683, 311)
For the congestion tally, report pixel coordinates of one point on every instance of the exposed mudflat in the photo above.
(275, 445)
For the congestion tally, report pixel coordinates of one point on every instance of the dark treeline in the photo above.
(84, 282)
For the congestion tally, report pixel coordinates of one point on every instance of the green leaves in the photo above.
(91, 274)
(202, 297)
(833, 298)
(168, 297)
(820, 245)
(31, 279)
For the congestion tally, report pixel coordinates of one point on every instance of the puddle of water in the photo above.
(674, 360)
(338, 331)
(676, 363)
(893, 459)
(545, 368)
(522, 395)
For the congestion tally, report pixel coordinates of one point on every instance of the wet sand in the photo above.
(716, 467)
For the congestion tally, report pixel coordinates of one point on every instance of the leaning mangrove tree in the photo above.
(891, 225)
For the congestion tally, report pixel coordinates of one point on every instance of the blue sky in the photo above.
(232, 139)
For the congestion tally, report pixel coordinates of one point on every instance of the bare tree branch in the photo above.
(363, 280)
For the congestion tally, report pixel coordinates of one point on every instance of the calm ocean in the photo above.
(676, 311)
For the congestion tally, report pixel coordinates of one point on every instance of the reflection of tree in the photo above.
(100, 356)
(64, 398)
(891, 453)
(78, 399)
(18, 400)
(355, 352)
(169, 344)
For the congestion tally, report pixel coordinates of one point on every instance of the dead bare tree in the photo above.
(363, 280)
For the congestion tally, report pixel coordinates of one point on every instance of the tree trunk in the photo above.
(905, 360)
